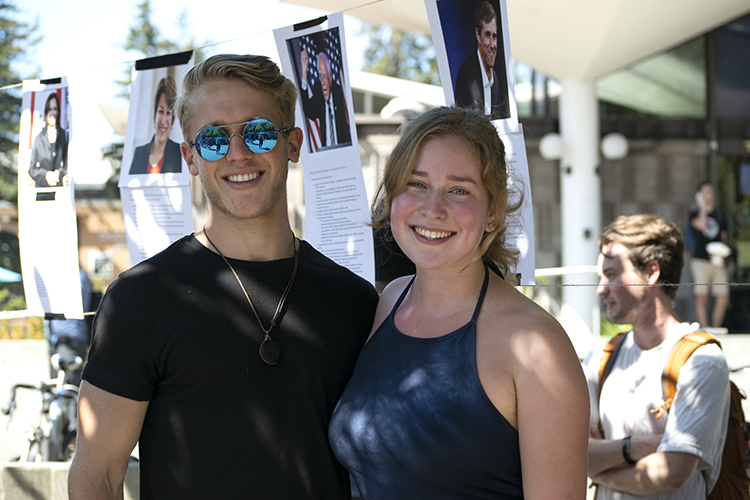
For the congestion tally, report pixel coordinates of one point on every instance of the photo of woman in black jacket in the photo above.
(49, 155)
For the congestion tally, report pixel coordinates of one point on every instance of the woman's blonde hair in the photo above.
(490, 154)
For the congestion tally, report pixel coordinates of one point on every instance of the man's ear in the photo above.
(295, 144)
(188, 154)
(653, 272)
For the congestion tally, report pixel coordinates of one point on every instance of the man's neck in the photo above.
(252, 240)
(656, 325)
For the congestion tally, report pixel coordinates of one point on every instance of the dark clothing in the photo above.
(470, 91)
(315, 108)
(415, 422)
(47, 157)
(172, 158)
(71, 337)
(75, 329)
(176, 330)
(699, 239)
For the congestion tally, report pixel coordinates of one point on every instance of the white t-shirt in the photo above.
(486, 85)
(696, 423)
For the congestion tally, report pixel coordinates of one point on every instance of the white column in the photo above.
(580, 201)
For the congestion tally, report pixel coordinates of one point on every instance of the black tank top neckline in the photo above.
(472, 321)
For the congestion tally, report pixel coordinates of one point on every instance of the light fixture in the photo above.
(551, 146)
(614, 146)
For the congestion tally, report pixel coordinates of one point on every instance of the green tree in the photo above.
(146, 40)
(400, 54)
(16, 40)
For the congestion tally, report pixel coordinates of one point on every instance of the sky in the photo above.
(83, 39)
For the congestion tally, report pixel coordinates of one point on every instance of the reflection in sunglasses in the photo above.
(259, 134)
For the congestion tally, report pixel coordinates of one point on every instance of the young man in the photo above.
(477, 83)
(225, 354)
(642, 455)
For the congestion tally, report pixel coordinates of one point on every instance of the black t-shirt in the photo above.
(715, 224)
(177, 331)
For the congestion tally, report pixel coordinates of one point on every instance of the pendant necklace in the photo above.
(270, 350)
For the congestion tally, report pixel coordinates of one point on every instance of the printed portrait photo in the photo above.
(324, 94)
(49, 138)
(472, 30)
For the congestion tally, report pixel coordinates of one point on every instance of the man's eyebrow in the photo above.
(220, 125)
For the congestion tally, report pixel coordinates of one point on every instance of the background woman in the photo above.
(466, 388)
(49, 155)
(162, 154)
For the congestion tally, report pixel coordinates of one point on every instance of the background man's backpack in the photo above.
(733, 482)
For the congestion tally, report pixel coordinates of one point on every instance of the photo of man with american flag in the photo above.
(321, 77)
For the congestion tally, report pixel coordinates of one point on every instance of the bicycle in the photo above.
(53, 437)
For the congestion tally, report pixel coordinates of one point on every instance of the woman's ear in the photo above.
(493, 219)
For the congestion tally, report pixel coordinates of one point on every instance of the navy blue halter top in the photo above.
(414, 421)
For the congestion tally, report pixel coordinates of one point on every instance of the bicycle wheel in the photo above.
(69, 446)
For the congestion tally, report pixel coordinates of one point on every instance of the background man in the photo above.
(707, 224)
(477, 83)
(225, 354)
(325, 103)
(678, 455)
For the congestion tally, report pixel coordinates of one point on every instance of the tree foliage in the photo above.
(145, 39)
(400, 54)
(16, 40)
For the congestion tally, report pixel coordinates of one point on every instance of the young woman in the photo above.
(49, 155)
(466, 389)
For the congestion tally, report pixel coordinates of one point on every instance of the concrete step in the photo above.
(49, 481)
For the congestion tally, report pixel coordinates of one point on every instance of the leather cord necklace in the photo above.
(270, 350)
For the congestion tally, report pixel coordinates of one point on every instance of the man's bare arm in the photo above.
(606, 454)
(661, 471)
(108, 429)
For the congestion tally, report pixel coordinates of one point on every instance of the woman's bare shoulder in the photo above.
(388, 299)
(524, 327)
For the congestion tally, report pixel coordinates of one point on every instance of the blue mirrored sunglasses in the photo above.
(259, 134)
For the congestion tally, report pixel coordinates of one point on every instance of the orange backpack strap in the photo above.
(609, 355)
(684, 348)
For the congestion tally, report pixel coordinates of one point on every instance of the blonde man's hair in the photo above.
(257, 71)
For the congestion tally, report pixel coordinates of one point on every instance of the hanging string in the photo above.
(213, 44)
(620, 285)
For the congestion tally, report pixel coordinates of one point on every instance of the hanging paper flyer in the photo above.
(154, 180)
(47, 222)
(472, 43)
(520, 233)
(313, 55)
